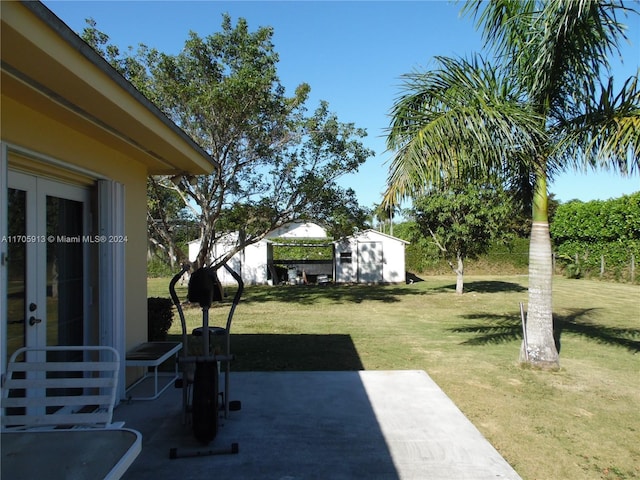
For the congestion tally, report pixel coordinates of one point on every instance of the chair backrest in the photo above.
(60, 386)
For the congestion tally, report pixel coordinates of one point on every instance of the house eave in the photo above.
(45, 65)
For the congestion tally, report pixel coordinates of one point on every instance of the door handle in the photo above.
(33, 321)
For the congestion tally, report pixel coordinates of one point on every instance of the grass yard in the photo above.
(581, 422)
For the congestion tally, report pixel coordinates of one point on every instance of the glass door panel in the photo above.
(65, 272)
(16, 275)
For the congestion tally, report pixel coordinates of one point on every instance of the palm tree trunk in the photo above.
(541, 348)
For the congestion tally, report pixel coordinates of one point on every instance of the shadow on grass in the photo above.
(412, 278)
(493, 329)
(487, 286)
(310, 294)
(572, 323)
(297, 352)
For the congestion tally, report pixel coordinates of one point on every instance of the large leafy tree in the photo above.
(545, 106)
(463, 221)
(278, 162)
(169, 224)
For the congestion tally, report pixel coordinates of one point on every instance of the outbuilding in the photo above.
(369, 257)
(365, 257)
(254, 262)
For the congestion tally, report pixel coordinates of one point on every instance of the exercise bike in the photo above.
(200, 373)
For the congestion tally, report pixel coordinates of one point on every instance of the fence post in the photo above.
(601, 265)
(633, 267)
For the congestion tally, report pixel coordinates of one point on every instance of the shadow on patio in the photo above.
(294, 352)
(292, 425)
(320, 425)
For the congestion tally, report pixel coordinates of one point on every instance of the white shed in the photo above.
(252, 261)
(366, 257)
(370, 257)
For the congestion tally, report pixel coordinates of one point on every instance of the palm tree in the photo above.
(543, 108)
(384, 216)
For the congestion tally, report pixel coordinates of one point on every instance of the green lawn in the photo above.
(581, 422)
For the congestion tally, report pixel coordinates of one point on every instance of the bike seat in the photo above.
(213, 331)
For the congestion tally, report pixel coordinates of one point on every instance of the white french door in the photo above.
(47, 288)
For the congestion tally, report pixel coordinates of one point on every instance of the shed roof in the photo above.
(371, 231)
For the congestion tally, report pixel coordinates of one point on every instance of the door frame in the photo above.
(39, 186)
(108, 318)
(37, 190)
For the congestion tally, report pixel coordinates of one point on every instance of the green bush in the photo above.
(598, 237)
(422, 256)
(598, 221)
(159, 318)
(156, 268)
(302, 249)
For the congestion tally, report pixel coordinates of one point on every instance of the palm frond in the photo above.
(572, 41)
(505, 24)
(605, 133)
(464, 118)
(557, 48)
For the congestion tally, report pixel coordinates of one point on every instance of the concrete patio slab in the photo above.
(320, 425)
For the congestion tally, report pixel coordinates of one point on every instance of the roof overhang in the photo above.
(47, 67)
(372, 232)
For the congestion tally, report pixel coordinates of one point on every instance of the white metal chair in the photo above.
(60, 387)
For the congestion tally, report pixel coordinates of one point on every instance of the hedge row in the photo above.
(598, 221)
(600, 237)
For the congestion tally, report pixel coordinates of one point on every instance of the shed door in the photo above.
(369, 262)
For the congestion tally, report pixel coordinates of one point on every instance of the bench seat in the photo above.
(152, 355)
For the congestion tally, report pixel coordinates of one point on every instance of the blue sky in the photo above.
(351, 53)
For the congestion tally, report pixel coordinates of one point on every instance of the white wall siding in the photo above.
(375, 258)
(251, 262)
(346, 261)
(367, 257)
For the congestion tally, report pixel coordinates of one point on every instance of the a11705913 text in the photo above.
(64, 239)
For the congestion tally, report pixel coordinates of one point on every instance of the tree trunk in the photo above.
(540, 342)
(541, 346)
(206, 245)
(460, 276)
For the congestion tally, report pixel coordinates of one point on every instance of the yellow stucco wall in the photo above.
(67, 115)
(31, 130)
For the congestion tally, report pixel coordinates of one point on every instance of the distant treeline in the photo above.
(590, 239)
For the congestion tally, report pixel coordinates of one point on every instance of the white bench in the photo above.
(61, 386)
(152, 355)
